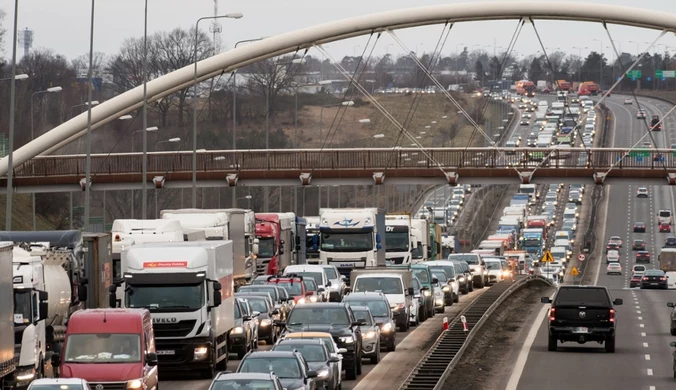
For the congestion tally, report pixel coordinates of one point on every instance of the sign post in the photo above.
(547, 258)
(581, 257)
(574, 272)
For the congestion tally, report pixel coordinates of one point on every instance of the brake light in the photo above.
(663, 278)
(552, 314)
(645, 278)
(611, 315)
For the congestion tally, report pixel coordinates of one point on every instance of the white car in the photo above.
(628, 101)
(614, 269)
(612, 257)
(638, 269)
(59, 383)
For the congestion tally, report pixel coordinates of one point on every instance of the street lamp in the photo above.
(295, 116)
(22, 76)
(88, 164)
(149, 129)
(12, 106)
(168, 141)
(248, 197)
(234, 94)
(365, 121)
(346, 103)
(125, 117)
(235, 15)
(94, 103)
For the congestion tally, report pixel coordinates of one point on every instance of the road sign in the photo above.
(665, 74)
(547, 257)
(574, 271)
(638, 152)
(634, 74)
(581, 257)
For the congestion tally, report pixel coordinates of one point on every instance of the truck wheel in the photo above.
(610, 345)
(391, 347)
(223, 364)
(551, 345)
(208, 373)
(673, 331)
(351, 373)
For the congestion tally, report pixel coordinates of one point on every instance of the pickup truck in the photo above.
(581, 314)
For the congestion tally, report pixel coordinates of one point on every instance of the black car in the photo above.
(318, 359)
(228, 381)
(381, 312)
(290, 367)
(670, 242)
(262, 305)
(582, 314)
(639, 227)
(642, 257)
(280, 302)
(654, 278)
(638, 245)
(336, 319)
(612, 247)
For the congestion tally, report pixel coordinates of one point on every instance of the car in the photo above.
(241, 338)
(639, 227)
(612, 256)
(293, 285)
(628, 101)
(582, 314)
(665, 227)
(615, 240)
(672, 325)
(263, 305)
(280, 303)
(447, 289)
(325, 337)
(381, 312)
(642, 257)
(638, 245)
(337, 287)
(577, 187)
(642, 192)
(60, 383)
(289, 366)
(635, 281)
(641, 114)
(638, 269)
(524, 123)
(614, 269)
(229, 380)
(612, 246)
(569, 226)
(654, 278)
(670, 242)
(575, 197)
(370, 334)
(318, 359)
(315, 272)
(452, 291)
(336, 318)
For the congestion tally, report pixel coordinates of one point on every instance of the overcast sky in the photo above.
(63, 25)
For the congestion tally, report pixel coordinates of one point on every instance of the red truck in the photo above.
(588, 88)
(563, 85)
(110, 348)
(276, 242)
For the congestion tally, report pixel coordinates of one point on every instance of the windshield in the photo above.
(384, 285)
(363, 315)
(267, 289)
(396, 242)
(165, 298)
(317, 276)
(664, 214)
(309, 244)
(378, 308)
(347, 241)
(310, 284)
(294, 289)
(311, 352)
(22, 307)
(266, 248)
(57, 387)
(531, 242)
(103, 348)
(243, 384)
(318, 316)
(449, 270)
(469, 259)
(282, 367)
(330, 272)
(493, 265)
(238, 313)
(441, 276)
(422, 275)
(258, 305)
(582, 297)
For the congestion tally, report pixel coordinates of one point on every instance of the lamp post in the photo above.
(12, 104)
(234, 95)
(295, 116)
(194, 106)
(347, 103)
(170, 140)
(148, 129)
(248, 197)
(88, 165)
(151, 129)
(636, 47)
(600, 60)
(22, 76)
(48, 90)
(579, 54)
(94, 103)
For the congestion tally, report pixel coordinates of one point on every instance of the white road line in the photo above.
(638, 312)
(650, 372)
(647, 357)
(525, 349)
(651, 388)
(641, 325)
(645, 345)
(640, 318)
(642, 334)
(638, 307)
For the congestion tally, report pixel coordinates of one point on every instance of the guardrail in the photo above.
(443, 356)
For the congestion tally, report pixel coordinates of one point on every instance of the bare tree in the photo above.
(81, 64)
(270, 77)
(2, 32)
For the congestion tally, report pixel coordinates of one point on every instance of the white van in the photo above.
(664, 216)
(561, 234)
(559, 253)
(570, 214)
(564, 243)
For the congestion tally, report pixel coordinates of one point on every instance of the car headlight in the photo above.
(266, 322)
(135, 384)
(323, 374)
(398, 306)
(347, 339)
(387, 327)
(237, 330)
(427, 293)
(505, 273)
(313, 298)
(440, 301)
(461, 278)
(445, 289)
(198, 354)
(370, 335)
(560, 273)
(301, 301)
(25, 375)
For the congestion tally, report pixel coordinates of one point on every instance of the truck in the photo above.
(450, 244)
(396, 284)
(497, 247)
(221, 224)
(588, 88)
(525, 88)
(188, 287)
(98, 268)
(312, 240)
(398, 239)
(352, 238)
(8, 359)
(434, 252)
(563, 85)
(277, 243)
(520, 199)
(667, 259)
(532, 241)
(420, 237)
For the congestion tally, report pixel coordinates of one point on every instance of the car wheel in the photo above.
(351, 373)
(391, 346)
(376, 359)
(470, 286)
(359, 365)
(456, 298)
(422, 314)
(465, 289)
(610, 345)
(241, 352)
(673, 331)
(551, 345)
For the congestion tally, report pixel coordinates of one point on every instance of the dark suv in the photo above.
(290, 367)
(336, 319)
(381, 312)
(643, 257)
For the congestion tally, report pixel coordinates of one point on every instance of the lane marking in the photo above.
(640, 318)
(642, 334)
(641, 325)
(645, 345)
(652, 388)
(650, 372)
(525, 349)
(647, 357)
(638, 312)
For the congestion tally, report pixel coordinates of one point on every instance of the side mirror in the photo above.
(246, 318)
(379, 323)
(309, 293)
(451, 280)
(334, 359)
(361, 322)
(56, 360)
(320, 290)
(545, 300)
(112, 299)
(670, 304)
(275, 312)
(617, 301)
(281, 250)
(315, 240)
(379, 246)
(435, 281)
(217, 299)
(151, 359)
(254, 249)
(112, 289)
(411, 291)
(217, 286)
(672, 344)
(279, 323)
(281, 242)
(255, 314)
(342, 350)
(342, 277)
(348, 290)
(43, 296)
(356, 323)
(312, 374)
(378, 239)
(44, 311)
(328, 284)
(82, 293)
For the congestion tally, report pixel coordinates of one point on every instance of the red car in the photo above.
(635, 281)
(665, 228)
(293, 285)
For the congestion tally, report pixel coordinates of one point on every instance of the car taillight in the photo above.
(645, 278)
(552, 314)
(647, 254)
(611, 315)
(663, 278)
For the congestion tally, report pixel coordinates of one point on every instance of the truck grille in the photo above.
(262, 266)
(178, 329)
(396, 260)
(108, 385)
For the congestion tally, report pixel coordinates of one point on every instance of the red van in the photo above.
(113, 348)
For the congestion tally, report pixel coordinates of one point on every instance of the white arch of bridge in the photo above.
(330, 32)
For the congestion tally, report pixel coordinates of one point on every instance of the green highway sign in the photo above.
(665, 73)
(639, 153)
(635, 74)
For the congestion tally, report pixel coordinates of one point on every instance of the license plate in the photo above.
(581, 330)
(654, 284)
(346, 265)
(169, 352)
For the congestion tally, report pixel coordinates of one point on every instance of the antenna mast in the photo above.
(26, 39)
(215, 30)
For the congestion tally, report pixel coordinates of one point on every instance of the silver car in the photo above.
(338, 286)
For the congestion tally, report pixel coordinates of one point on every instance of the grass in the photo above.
(22, 214)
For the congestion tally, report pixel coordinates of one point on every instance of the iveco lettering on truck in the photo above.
(398, 239)
(188, 289)
(352, 238)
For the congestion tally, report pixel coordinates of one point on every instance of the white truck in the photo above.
(420, 232)
(222, 224)
(312, 240)
(8, 360)
(188, 289)
(398, 239)
(352, 238)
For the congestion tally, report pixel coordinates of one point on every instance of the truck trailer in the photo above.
(398, 239)
(8, 358)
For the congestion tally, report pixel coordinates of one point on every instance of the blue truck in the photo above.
(532, 241)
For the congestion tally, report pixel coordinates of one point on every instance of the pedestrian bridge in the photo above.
(219, 168)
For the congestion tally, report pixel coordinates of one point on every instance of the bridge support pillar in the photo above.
(379, 178)
(452, 178)
(599, 178)
(232, 179)
(305, 179)
(159, 182)
(83, 183)
(525, 177)
(671, 179)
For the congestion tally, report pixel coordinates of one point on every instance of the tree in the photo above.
(592, 67)
(268, 78)
(479, 69)
(463, 60)
(2, 32)
(381, 72)
(495, 67)
(81, 64)
(535, 71)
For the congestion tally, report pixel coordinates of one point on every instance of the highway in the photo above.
(643, 357)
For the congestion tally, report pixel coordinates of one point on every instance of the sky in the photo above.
(63, 25)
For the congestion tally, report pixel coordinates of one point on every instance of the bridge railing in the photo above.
(350, 159)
